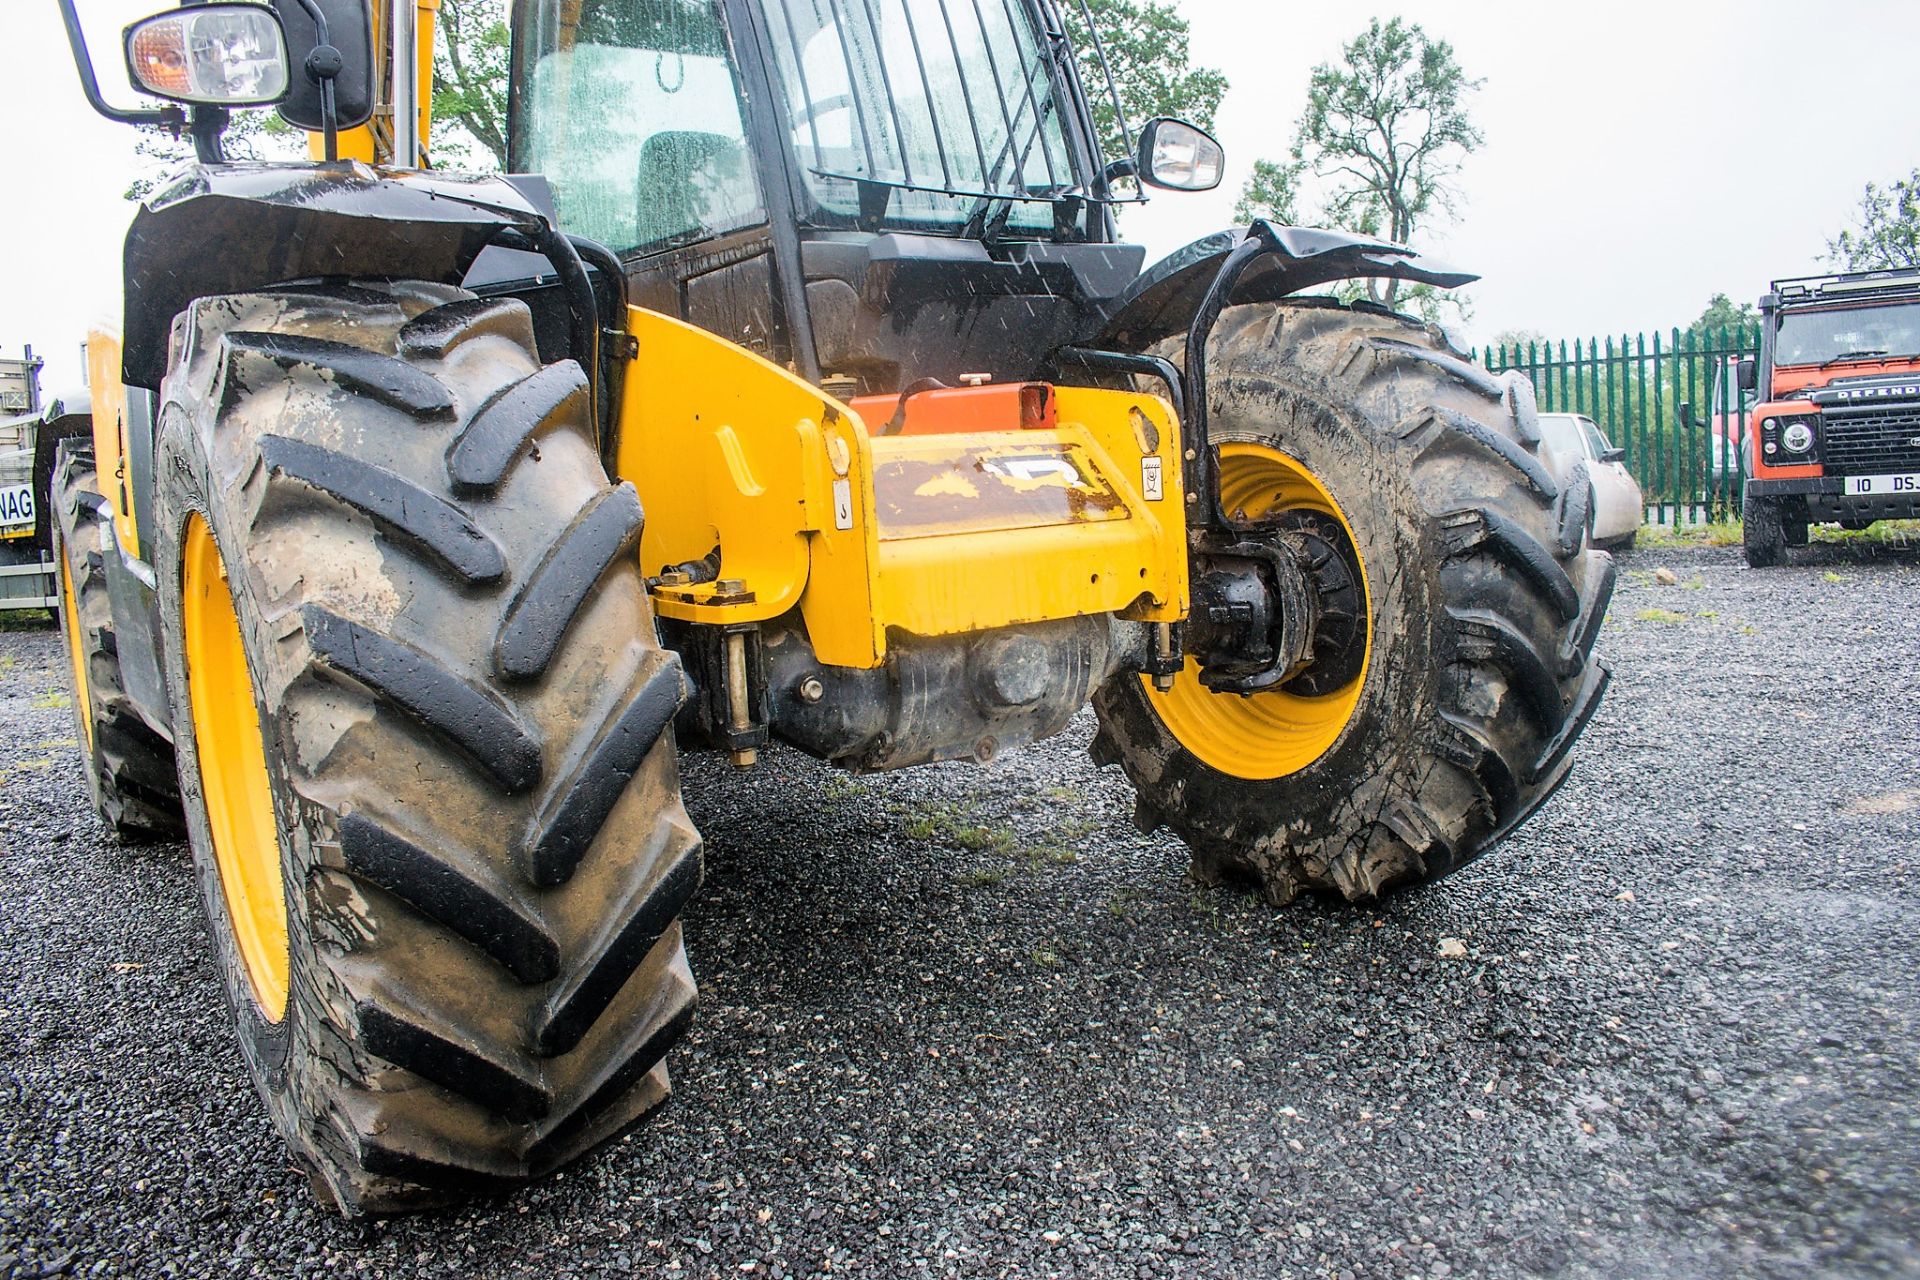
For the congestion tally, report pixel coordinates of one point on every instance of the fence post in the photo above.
(1685, 384)
(1593, 377)
(1669, 488)
(1611, 423)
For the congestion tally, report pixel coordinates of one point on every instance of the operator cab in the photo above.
(873, 193)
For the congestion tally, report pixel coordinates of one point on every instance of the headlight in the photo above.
(228, 54)
(1798, 437)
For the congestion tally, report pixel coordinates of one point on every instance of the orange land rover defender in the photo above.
(1836, 437)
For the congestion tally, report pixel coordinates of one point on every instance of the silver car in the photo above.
(1618, 505)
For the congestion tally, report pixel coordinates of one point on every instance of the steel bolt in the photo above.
(811, 690)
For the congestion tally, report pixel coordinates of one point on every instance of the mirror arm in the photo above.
(323, 64)
(205, 127)
(1125, 167)
(168, 117)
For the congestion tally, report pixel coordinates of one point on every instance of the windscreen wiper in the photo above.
(1854, 355)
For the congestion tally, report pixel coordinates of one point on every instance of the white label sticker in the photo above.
(1150, 484)
(1045, 466)
(1876, 486)
(16, 505)
(843, 504)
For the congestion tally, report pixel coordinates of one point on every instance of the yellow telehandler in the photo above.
(797, 385)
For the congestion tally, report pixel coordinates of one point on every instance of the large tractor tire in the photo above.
(1482, 601)
(130, 770)
(423, 720)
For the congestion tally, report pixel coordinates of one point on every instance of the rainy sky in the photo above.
(1639, 157)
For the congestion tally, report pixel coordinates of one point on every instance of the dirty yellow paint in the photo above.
(948, 484)
(730, 451)
(110, 431)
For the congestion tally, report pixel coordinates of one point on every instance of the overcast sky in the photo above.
(1640, 157)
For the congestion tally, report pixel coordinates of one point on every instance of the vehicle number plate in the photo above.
(16, 508)
(1880, 486)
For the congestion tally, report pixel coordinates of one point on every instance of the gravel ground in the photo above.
(966, 1021)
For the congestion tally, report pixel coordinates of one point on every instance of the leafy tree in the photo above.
(1385, 130)
(1146, 45)
(1270, 193)
(1723, 314)
(1516, 341)
(252, 133)
(1888, 234)
(470, 57)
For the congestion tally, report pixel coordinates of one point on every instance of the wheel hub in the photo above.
(1277, 642)
(1336, 648)
(233, 771)
(1278, 604)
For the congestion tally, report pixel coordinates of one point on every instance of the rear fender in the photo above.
(1163, 301)
(234, 228)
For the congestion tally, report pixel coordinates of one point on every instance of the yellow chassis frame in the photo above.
(867, 534)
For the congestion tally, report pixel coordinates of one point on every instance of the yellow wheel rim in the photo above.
(233, 771)
(76, 651)
(1272, 734)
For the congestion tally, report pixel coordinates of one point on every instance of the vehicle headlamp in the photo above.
(1798, 437)
(224, 54)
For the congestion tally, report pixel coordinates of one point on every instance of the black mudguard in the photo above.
(232, 228)
(1163, 301)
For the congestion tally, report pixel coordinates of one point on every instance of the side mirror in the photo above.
(1686, 414)
(350, 35)
(224, 55)
(1614, 455)
(1747, 375)
(1178, 156)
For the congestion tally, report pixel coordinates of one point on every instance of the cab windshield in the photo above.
(1887, 332)
(930, 113)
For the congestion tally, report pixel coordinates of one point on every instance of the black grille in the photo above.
(1872, 443)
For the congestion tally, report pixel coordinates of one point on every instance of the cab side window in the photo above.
(632, 110)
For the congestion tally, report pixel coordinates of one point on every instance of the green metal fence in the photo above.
(1671, 400)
